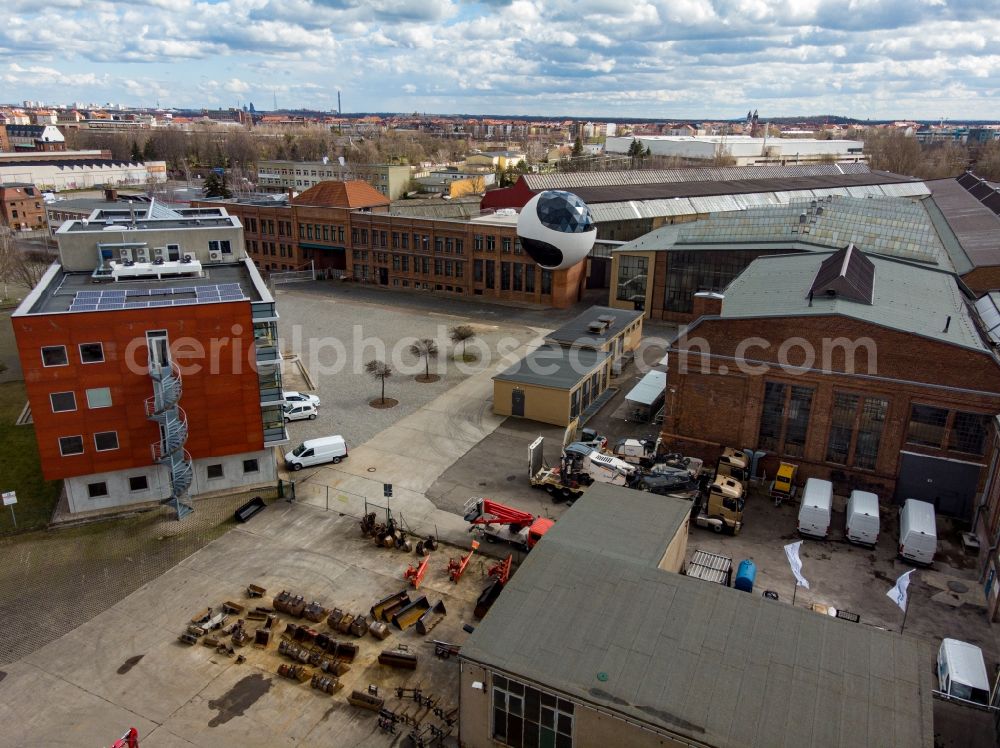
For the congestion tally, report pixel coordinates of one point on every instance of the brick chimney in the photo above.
(706, 303)
(110, 195)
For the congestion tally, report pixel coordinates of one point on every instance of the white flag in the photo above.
(792, 551)
(898, 593)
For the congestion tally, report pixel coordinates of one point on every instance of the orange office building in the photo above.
(150, 359)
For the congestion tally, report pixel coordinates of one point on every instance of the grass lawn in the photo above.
(19, 469)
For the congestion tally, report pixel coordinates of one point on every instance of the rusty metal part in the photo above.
(378, 610)
(359, 626)
(398, 658)
(254, 590)
(314, 612)
(344, 627)
(233, 608)
(366, 700)
(431, 618)
(326, 684)
(379, 630)
(408, 615)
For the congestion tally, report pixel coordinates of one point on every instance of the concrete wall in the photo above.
(673, 557)
(158, 480)
(590, 727)
(78, 249)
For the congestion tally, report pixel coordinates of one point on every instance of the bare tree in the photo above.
(379, 370)
(425, 348)
(23, 268)
(461, 334)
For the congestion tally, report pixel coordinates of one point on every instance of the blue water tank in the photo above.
(745, 575)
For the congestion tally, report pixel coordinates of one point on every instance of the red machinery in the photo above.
(415, 574)
(501, 522)
(128, 740)
(500, 573)
(457, 566)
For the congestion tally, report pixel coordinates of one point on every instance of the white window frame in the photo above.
(98, 483)
(71, 454)
(98, 407)
(109, 449)
(80, 350)
(52, 366)
(63, 410)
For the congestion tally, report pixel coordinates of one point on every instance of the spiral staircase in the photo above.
(162, 408)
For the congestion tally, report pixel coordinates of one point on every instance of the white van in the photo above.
(962, 672)
(862, 518)
(814, 514)
(316, 452)
(917, 532)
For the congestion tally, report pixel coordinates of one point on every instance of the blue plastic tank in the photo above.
(745, 575)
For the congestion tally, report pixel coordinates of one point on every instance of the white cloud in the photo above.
(648, 58)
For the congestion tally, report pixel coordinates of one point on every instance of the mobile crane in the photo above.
(500, 522)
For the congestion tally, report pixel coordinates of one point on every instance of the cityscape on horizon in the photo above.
(870, 61)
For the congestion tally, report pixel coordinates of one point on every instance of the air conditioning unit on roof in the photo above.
(214, 255)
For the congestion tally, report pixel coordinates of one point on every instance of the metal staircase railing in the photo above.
(162, 408)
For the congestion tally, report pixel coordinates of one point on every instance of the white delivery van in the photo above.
(917, 532)
(316, 452)
(962, 672)
(814, 514)
(862, 518)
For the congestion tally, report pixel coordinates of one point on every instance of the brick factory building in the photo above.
(150, 359)
(869, 371)
(348, 228)
(21, 207)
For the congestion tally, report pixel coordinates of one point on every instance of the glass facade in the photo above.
(690, 272)
(525, 717)
(632, 277)
(856, 425)
(784, 419)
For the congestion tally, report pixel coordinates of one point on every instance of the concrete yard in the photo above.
(126, 668)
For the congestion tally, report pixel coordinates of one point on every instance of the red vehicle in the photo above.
(500, 522)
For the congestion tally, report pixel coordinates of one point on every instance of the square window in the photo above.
(214, 471)
(70, 445)
(99, 397)
(251, 466)
(62, 401)
(105, 441)
(91, 353)
(138, 483)
(54, 355)
(97, 490)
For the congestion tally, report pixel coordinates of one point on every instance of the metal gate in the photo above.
(950, 485)
(517, 402)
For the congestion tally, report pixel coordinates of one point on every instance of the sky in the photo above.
(877, 59)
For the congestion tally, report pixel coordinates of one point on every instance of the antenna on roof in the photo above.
(947, 324)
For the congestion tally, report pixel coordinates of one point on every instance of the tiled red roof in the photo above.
(333, 194)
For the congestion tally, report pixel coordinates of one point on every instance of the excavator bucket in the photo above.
(408, 615)
(392, 602)
(431, 618)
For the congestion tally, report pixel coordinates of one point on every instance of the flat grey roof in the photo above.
(554, 366)
(58, 295)
(576, 330)
(909, 297)
(589, 616)
(976, 227)
(122, 222)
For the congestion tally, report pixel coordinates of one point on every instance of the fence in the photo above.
(293, 276)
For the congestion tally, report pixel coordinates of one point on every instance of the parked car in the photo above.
(316, 452)
(293, 398)
(862, 525)
(300, 411)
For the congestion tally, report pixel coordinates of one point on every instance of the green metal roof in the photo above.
(907, 297)
(589, 616)
(895, 227)
(554, 366)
